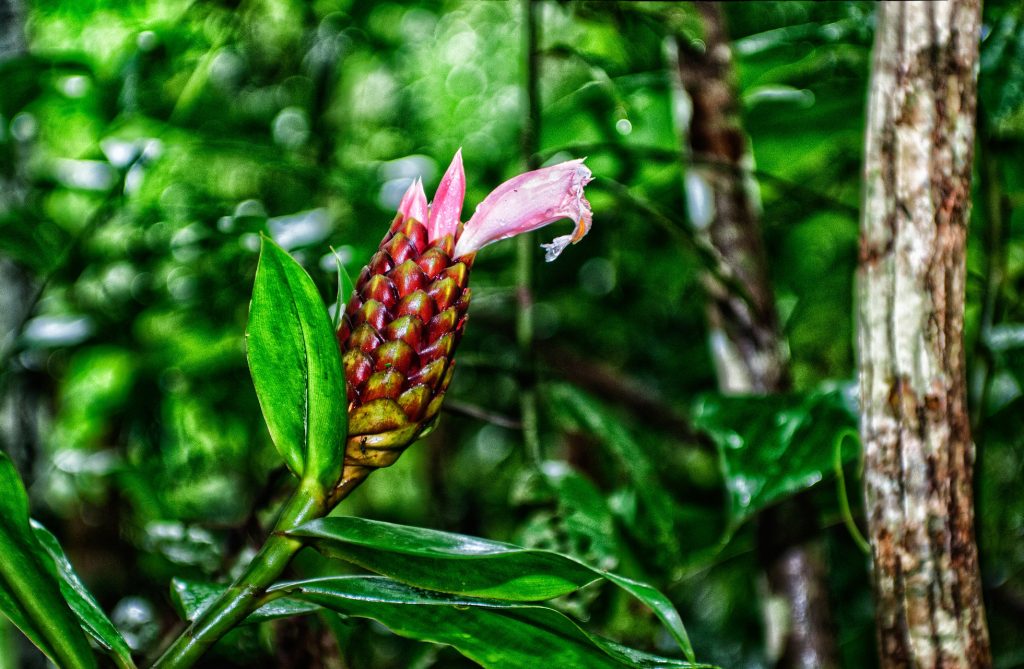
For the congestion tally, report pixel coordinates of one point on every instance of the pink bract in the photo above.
(521, 204)
(528, 202)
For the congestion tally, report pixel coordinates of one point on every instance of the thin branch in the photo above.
(480, 413)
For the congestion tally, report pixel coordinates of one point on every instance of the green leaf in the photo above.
(29, 592)
(191, 597)
(459, 564)
(493, 633)
(345, 289)
(773, 446)
(91, 617)
(296, 367)
(576, 409)
(570, 514)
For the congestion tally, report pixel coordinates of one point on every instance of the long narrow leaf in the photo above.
(90, 616)
(493, 633)
(29, 592)
(464, 565)
(345, 289)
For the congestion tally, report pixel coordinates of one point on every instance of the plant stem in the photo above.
(244, 595)
(525, 243)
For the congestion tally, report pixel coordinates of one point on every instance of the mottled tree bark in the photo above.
(746, 340)
(919, 456)
(745, 332)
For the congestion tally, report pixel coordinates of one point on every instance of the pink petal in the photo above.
(446, 207)
(530, 201)
(414, 202)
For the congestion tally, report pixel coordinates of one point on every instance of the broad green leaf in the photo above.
(191, 597)
(493, 633)
(29, 592)
(91, 617)
(776, 445)
(296, 367)
(459, 564)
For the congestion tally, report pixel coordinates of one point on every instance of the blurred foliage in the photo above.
(145, 146)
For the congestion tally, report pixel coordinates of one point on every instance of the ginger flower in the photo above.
(408, 310)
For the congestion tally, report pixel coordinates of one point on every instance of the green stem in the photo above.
(844, 499)
(525, 247)
(245, 594)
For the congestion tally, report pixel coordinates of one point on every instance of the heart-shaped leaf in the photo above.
(773, 446)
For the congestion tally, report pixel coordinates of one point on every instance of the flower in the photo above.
(408, 310)
(530, 201)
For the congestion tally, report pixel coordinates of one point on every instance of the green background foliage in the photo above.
(145, 147)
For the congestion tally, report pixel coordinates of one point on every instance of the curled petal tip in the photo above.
(554, 249)
(530, 201)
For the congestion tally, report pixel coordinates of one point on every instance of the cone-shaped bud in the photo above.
(409, 308)
(406, 305)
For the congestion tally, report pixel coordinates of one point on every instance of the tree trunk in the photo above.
(746, 340)
(919, 457)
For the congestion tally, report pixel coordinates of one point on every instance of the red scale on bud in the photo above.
(383, 385)
(429, 374)
(381, 263)
(441, 323)
(365, 339)
(415, 233)
(400, 248)
(440, 349)
(406, 328)
(444, 292)
(417, 304)
(433, 262)
(380, 288)
(407, 278)
(396, 355)
(374, 313)
(414, 401)
(358, 368)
